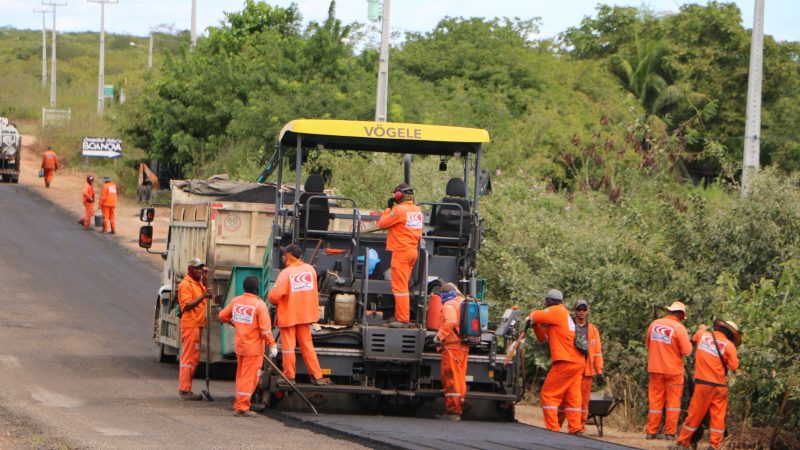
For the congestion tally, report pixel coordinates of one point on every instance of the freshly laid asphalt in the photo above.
(77, 359)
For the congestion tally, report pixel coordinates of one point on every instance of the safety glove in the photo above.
(273, 351)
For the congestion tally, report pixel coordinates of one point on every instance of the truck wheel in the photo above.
(15, 179)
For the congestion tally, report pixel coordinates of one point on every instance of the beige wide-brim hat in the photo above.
(732, 327)
(675, 307)
(196, 262)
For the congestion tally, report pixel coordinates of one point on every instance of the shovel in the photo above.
(290, 383)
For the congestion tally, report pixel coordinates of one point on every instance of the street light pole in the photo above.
(752, 128)
(44, 45)
(101, 76)
(53, 55)
(383, 68)
(194, 24)
(150, 52)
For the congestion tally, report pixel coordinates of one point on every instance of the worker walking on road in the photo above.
(108, 204)
(49, 165)
(249, 315)
(667, 344)
(88, 202)
(594, 360)
(454, 353)
(192, 297)
(715, 355)
(562, 386)
(296, 298)
(404, 221)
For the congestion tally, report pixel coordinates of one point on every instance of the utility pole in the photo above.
(194, 24)
(383, 68)
(752, 128)
(54, 5)
(150, 52)
(44, 46)
(101, 75)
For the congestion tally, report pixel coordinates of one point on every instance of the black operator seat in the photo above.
(317, 210)
(447, 218)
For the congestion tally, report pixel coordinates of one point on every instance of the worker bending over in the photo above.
(249, 315)
(108, 204)
(404, 221)
(594, 360)
(715, 354)
(296, 299)
(192, 297)
(454, 353)
(562, 386)
(49, 165)
(88, 202)
(667, 344)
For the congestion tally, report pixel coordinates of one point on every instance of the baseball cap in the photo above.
(554, 294)
(676, 306)
(580, 302)
(196, 262)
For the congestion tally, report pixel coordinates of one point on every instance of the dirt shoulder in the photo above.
(65, 193)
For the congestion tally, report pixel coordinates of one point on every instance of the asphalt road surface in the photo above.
(77, 360)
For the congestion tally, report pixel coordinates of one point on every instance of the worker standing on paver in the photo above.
(454, 353)
(249, 315)
(88, 202)
(667, 343)
(562, 386)
(49, 165)
(296, 299)
(192, 297)
(715, 355)
(594, 360)
(404, 221)
(108, 204)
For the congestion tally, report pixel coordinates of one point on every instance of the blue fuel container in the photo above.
(470, 321)
(484, 316)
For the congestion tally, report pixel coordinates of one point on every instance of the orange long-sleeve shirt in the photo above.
(295, 295)
(404, 223)
(49, 160)
(189, 290)
(250, 318)
(559, 333)
(88, 194)
(707, 365)
(108, 196)
(594, 361)
(667, 343)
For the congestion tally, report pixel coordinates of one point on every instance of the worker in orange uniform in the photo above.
(715, 355)
(88, 202)
(667, 344)
(404, 221)
(49, 165)
(249, 315)
(594, 360)
(108, 204)
(562, 386)
(296, 299)
(192, 298)
(454, 353)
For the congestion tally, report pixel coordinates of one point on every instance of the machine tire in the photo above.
(15, 179)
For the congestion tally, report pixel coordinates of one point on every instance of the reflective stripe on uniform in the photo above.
(673, 409)
(655, 411)
(549, 407)
(189, 366)
(572, 409)
(401, 295)
(688, 427)
(265, 332)
(244, 393)
(714, 430)
(452, 395)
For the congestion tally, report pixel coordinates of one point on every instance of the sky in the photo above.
(139, 16)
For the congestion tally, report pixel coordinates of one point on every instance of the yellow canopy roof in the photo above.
(383, 136)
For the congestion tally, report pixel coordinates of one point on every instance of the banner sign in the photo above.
(102, 147)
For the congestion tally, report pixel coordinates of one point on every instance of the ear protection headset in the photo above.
(398, 194)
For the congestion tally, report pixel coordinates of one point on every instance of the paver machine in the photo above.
(373, 366)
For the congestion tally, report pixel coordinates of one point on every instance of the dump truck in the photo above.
(222, 222)
(10, 152)
(376, 367)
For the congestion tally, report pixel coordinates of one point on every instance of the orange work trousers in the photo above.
(109, 217)
(704, 399)
(88, 214)
(190, 356)
(664, 389)
(454, 377)
(49, 174)
(563, 386)
(290, 337)
(248, 371)
(586, 391)
(402, 265)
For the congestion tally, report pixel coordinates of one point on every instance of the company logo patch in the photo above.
(414, 220)
(662, 333)
(112, 189)
(243, 313)
(707, 345)
(570, 323)
(302, 281)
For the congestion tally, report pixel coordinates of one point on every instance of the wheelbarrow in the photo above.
(600, 406)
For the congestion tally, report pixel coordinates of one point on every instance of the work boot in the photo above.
(396, 324)
(321, 381)
(654, 436)
(669, 437)
(189, 396)
(454, 417)
(577, 433)
(677, 447)
(244, 414)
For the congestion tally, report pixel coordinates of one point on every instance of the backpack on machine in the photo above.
(469, 324)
